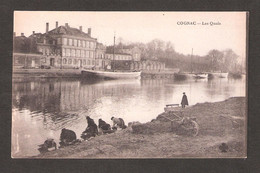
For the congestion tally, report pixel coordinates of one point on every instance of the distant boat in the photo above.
(235, 75)
(111, 74)
(200, 75)
(219, 74)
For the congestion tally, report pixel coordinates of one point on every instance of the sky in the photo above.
(146, 26)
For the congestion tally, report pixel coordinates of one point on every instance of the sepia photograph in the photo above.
(121, 84)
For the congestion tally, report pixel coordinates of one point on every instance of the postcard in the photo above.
(121, 84)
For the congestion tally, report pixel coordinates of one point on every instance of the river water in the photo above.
(42, 107)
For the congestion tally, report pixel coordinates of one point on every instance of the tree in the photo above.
(230, 60)
(217, 58)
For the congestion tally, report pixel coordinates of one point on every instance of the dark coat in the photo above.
(91, 130)
(103, 125)
(184, 100)
(67, 135)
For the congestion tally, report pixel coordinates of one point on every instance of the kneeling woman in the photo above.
(91, 130)
(118, 122)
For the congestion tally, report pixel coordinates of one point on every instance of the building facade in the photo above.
(66, 47)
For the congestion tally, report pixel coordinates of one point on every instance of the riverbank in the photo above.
(76, 73)
(219, 122)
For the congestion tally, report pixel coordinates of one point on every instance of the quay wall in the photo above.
(77, 73)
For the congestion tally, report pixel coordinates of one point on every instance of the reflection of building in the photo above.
(68, 47)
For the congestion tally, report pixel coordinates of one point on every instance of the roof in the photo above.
(69, 31)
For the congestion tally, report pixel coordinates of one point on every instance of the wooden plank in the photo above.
(172, 105)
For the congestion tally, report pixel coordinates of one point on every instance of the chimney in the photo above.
(33, 32)
(89, 31)
(57, 24)
(66, 25)
(47, 27)
(80, 28)
(22, 34)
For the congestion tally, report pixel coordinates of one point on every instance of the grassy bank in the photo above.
(219, 122)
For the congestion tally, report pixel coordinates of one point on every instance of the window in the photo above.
(91, 54)
(75, 61)
(72, 52)
(58, 51)
(87, 54)
(87, 44)
(64, 61)
(63, 52)
(67, 52)
(65, 41)
(70, 42)
(93, 62)
(58, 40)
(82, 53)
(75, 42)
(88, 62)
(70, 61)
(83, 43)
(78, 53)
(84, 62)
(79, 43)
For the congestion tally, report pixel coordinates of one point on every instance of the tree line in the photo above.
(159, 50)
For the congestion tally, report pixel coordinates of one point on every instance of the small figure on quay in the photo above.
(67, 137)
(49, 143)
(184, 100)
(91, 130)
(118, 122)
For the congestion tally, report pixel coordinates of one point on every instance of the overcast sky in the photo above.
(146, 26)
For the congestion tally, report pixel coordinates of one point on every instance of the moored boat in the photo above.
(200, 75)
(220, 74)
(111, 74)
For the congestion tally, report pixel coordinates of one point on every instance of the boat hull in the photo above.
(200, 76)
(110, 75)
(220, 75)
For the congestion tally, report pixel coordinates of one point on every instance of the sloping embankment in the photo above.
(219, 122)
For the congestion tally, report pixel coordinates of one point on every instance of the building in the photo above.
(67, 47)
(63, 47)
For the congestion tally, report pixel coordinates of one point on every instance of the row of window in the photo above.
(76, 43)
(77, 53)
(119, 57)
(78, 62)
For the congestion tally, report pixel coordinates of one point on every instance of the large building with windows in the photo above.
(67, 47)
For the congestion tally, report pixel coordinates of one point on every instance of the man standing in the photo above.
(184, 101)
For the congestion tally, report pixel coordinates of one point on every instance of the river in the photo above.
(42, 107)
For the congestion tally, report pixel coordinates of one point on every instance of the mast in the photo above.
(191, 60)
(114, 51)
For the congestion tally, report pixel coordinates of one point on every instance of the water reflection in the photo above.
(42, 107)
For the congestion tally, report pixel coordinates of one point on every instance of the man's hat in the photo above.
(183, 92)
